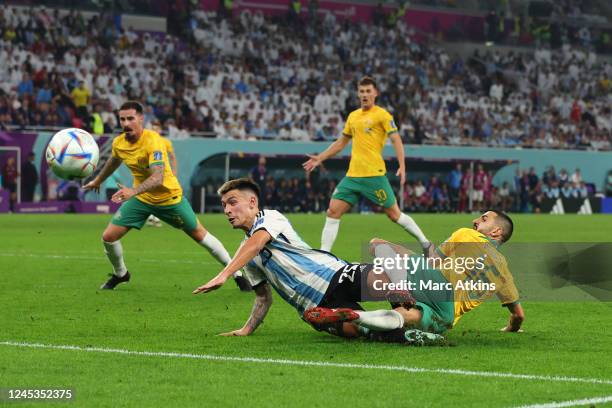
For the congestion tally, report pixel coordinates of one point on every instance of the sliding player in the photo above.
(446, 293)
(273, 254)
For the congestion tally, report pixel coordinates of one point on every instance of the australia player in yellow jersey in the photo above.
(458, 276)
(156, 191)
(368, 128)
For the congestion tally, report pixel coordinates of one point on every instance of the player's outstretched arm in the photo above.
(245, 253)
(109, 168)
(399, 152)
(156, 179)
(332, 150)
(263, 301)
(517, 316)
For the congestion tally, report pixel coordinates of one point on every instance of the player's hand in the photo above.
(124, 194)
(92, 185)
(239, 332)
(509, 329)
(212, 284)
(311, 163)
(401, 173)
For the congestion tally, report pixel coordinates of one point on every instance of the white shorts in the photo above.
(477, 195)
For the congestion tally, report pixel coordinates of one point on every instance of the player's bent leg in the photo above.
(114, 232)
(181, 216)
(336, 209)
(412, 317)
(378, 320)
(324, 315)
(114, 252)
(411, 333)
(393, 212)
(406, 222)
(344, 197)
(132, 214)
(210, 243)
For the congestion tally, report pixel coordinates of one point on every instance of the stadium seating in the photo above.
(257, 77)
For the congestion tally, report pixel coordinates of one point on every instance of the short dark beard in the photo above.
(131, 137)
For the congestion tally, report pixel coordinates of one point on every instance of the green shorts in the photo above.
(437, 306)
(134, 213)
(376, 189)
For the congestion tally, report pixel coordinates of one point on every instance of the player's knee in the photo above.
(393, 214)
(109, 236)
(198, 234)
(334, 213)
(331, 213)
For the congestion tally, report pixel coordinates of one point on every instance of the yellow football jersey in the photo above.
(168, 144)
(369, 130)
(149, 150)
(487, 269)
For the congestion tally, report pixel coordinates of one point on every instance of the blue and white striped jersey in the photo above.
(299, 273)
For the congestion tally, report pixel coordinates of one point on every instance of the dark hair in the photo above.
(132, 105)
(242, 184)
(367, 80)
(505, 222)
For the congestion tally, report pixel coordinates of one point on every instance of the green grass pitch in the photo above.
(51, 268)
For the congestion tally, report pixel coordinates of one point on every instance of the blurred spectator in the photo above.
(9, 180)
(97, 123)
(454, 183)
(576, 177)
(480, 182)
(259, 175)
(80, 97)
(29, 179)
(505, 197)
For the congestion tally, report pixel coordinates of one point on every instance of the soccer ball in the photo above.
(72, 154)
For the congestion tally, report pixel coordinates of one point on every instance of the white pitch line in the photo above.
(309, 363)
(574, 403)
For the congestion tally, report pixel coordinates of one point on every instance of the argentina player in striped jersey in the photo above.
(274, 256)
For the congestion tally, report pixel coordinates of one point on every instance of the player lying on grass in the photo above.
(156, 192)
(273, 254)
(447, 287)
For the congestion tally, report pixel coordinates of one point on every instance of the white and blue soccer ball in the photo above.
(72, 154)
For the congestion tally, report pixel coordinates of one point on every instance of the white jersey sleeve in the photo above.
(273, 222)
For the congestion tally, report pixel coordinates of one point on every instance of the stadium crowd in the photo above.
(256, 77)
